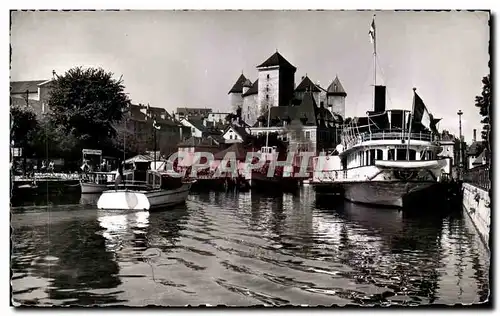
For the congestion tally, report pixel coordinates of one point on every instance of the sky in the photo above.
(176, 59)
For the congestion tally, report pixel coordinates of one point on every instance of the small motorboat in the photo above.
(160, 190)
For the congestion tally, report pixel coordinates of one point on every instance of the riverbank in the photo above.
(476, 205)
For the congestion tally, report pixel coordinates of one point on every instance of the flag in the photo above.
(155, 125)
(420, 113)
(372, 31)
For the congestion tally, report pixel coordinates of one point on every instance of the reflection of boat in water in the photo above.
(160, 190)
(89, 199)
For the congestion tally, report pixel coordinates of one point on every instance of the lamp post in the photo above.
(460, 158)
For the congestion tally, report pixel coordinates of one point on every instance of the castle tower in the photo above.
(306, 85)
(335, 97)
(276, 82)
(235, 94)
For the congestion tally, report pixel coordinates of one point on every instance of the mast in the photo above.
(409, 128)
(268, 119)
(373, 39)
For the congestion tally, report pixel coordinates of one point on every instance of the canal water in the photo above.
(243, 249)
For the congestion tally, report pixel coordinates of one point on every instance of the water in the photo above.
(243, 250)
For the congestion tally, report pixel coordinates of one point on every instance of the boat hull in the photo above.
(383, 193)
(261, 181)
(143, 200)
(92, 188)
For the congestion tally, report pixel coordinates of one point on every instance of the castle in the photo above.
(275, 87)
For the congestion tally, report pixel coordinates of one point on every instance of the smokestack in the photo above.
(379, 99)
(474, 135)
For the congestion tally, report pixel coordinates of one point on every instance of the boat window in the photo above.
(391, 154)
(373, 157)
(401, 154)
(380, 154)
(413, 154)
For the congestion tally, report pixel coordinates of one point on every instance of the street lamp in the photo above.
(460, 166)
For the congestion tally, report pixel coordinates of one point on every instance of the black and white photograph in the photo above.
(247, 158)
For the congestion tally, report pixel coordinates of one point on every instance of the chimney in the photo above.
(379, 99)
(474, 135)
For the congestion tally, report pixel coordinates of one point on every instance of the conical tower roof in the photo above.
(238, 86)
(277, 60)
(336, 88)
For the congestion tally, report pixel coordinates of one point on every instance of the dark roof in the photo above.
(336, 88)
(239, 151)
(168, 122)
(479, 159)
(194, 111)
(254, 89)
(22, 86)
(197, 124)
(198, 142)
(33, 105)
(307, 85)
(475, 148)
(247, 83)
(218, 138)
(306, 110)
(238, 85)
(238, 129)
(157, 111)
(277, 60)
(135, 112)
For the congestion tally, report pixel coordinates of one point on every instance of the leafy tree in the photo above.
(23, 129)
(24, 126)
(483, 102)
(86, 103)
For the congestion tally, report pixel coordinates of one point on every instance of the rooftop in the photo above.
(277, 60)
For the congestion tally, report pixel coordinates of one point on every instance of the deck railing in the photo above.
(478, 176)
(389, 135)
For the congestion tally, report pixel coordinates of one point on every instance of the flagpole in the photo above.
(154, 150)
(409, 129)
(374, 53)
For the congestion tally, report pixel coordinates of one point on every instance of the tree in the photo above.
(483, 102)
(24, 126)
(23, 129)
(85, 103)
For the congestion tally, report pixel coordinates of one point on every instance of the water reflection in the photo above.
(71, 257)
(245, 249)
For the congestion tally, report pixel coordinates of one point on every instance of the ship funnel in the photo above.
(379, 99)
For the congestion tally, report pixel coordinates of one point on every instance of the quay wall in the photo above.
(476, 203)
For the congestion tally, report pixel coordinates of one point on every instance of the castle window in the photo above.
(267, 76)
(267, 88)
(267, 96)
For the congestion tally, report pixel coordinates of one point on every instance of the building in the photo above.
(448, 143)
(192, 113)
(307, 116)
(235, 134)
(474, 151)
(34, 94)
(195, 125)
(275, 86)
(137, 129)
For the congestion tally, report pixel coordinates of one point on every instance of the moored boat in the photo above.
(386, 155)
(160, 190)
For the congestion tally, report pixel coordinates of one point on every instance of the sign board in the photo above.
(92, 152)
(16, 152)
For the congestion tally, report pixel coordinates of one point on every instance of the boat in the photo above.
(283, 178)
(160, 190)
(386, 155)
(145, 189)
